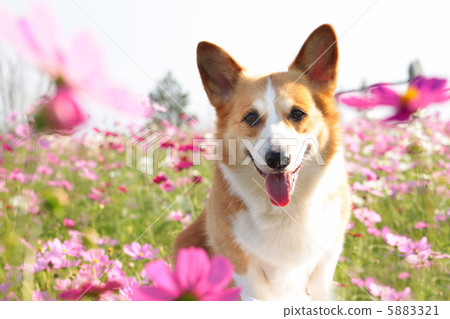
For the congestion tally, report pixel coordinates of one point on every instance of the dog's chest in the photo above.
(288, 237)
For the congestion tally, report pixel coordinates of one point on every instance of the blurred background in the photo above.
(155, 41)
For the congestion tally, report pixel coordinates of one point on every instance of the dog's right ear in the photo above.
(219, 72)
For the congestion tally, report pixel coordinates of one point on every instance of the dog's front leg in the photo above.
(321, 279)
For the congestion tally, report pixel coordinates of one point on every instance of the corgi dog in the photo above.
(277, 209)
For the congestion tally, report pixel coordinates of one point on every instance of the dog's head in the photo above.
(278, 118)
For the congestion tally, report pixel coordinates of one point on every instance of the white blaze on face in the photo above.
(276, 132)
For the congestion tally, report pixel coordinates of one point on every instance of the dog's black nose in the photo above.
(277, 159)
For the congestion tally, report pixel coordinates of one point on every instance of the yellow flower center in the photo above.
(141, 254)
(95, 261)
(409, 95)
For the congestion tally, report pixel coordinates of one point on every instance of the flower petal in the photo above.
(385, 96)
(161, 275)
(192, 269)
(151, 293)
(220, 274)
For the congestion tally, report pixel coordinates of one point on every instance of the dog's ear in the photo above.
(318, 58)
(219, 72)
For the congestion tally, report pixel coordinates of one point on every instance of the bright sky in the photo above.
(145, 39)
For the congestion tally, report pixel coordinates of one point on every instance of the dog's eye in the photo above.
(251, 118)
(297, 114)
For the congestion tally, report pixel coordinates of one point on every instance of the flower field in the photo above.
(78, 221)
(70, 207)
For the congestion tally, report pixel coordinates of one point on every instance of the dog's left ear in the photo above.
(318, 58)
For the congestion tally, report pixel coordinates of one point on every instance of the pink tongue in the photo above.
(279, 188)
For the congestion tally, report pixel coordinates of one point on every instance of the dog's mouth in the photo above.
(279, 185)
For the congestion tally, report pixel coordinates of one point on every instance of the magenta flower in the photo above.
(403, 275)
(69, 223)
(161, 177)
(167, 186)
(420, 225)
(195, 278)
(76, 71)
(62, 112)
(137, 252)
(421, 92)
(122, 189)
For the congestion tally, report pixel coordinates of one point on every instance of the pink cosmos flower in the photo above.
(160, 177)
(41, 296)
(62, 284)
(197, 179)
(122, 189)
(97, 257)
(17, 175)
(116, 273)
(184, 163)
(93, 290)
(440, 217)
(137, 252)
(397, 296)
(106, 241)
(366, 216)
(374, 231)
(62, 112)
(420, 93)
(76, 71)
(195, 278)
(360, 187)
(53, 257)
(151, 108)
(88, 174)
(61, 183)
(357, 282)
(384, 292)
(411, 247)
(403, 275)
(420, 225)
(4, 288)
(44, 170)
(396, 240)
(167, 186)
(33, 201)
(13, 116)
(369, 174)
(177, 215)
(69, 223)
(7, 148)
